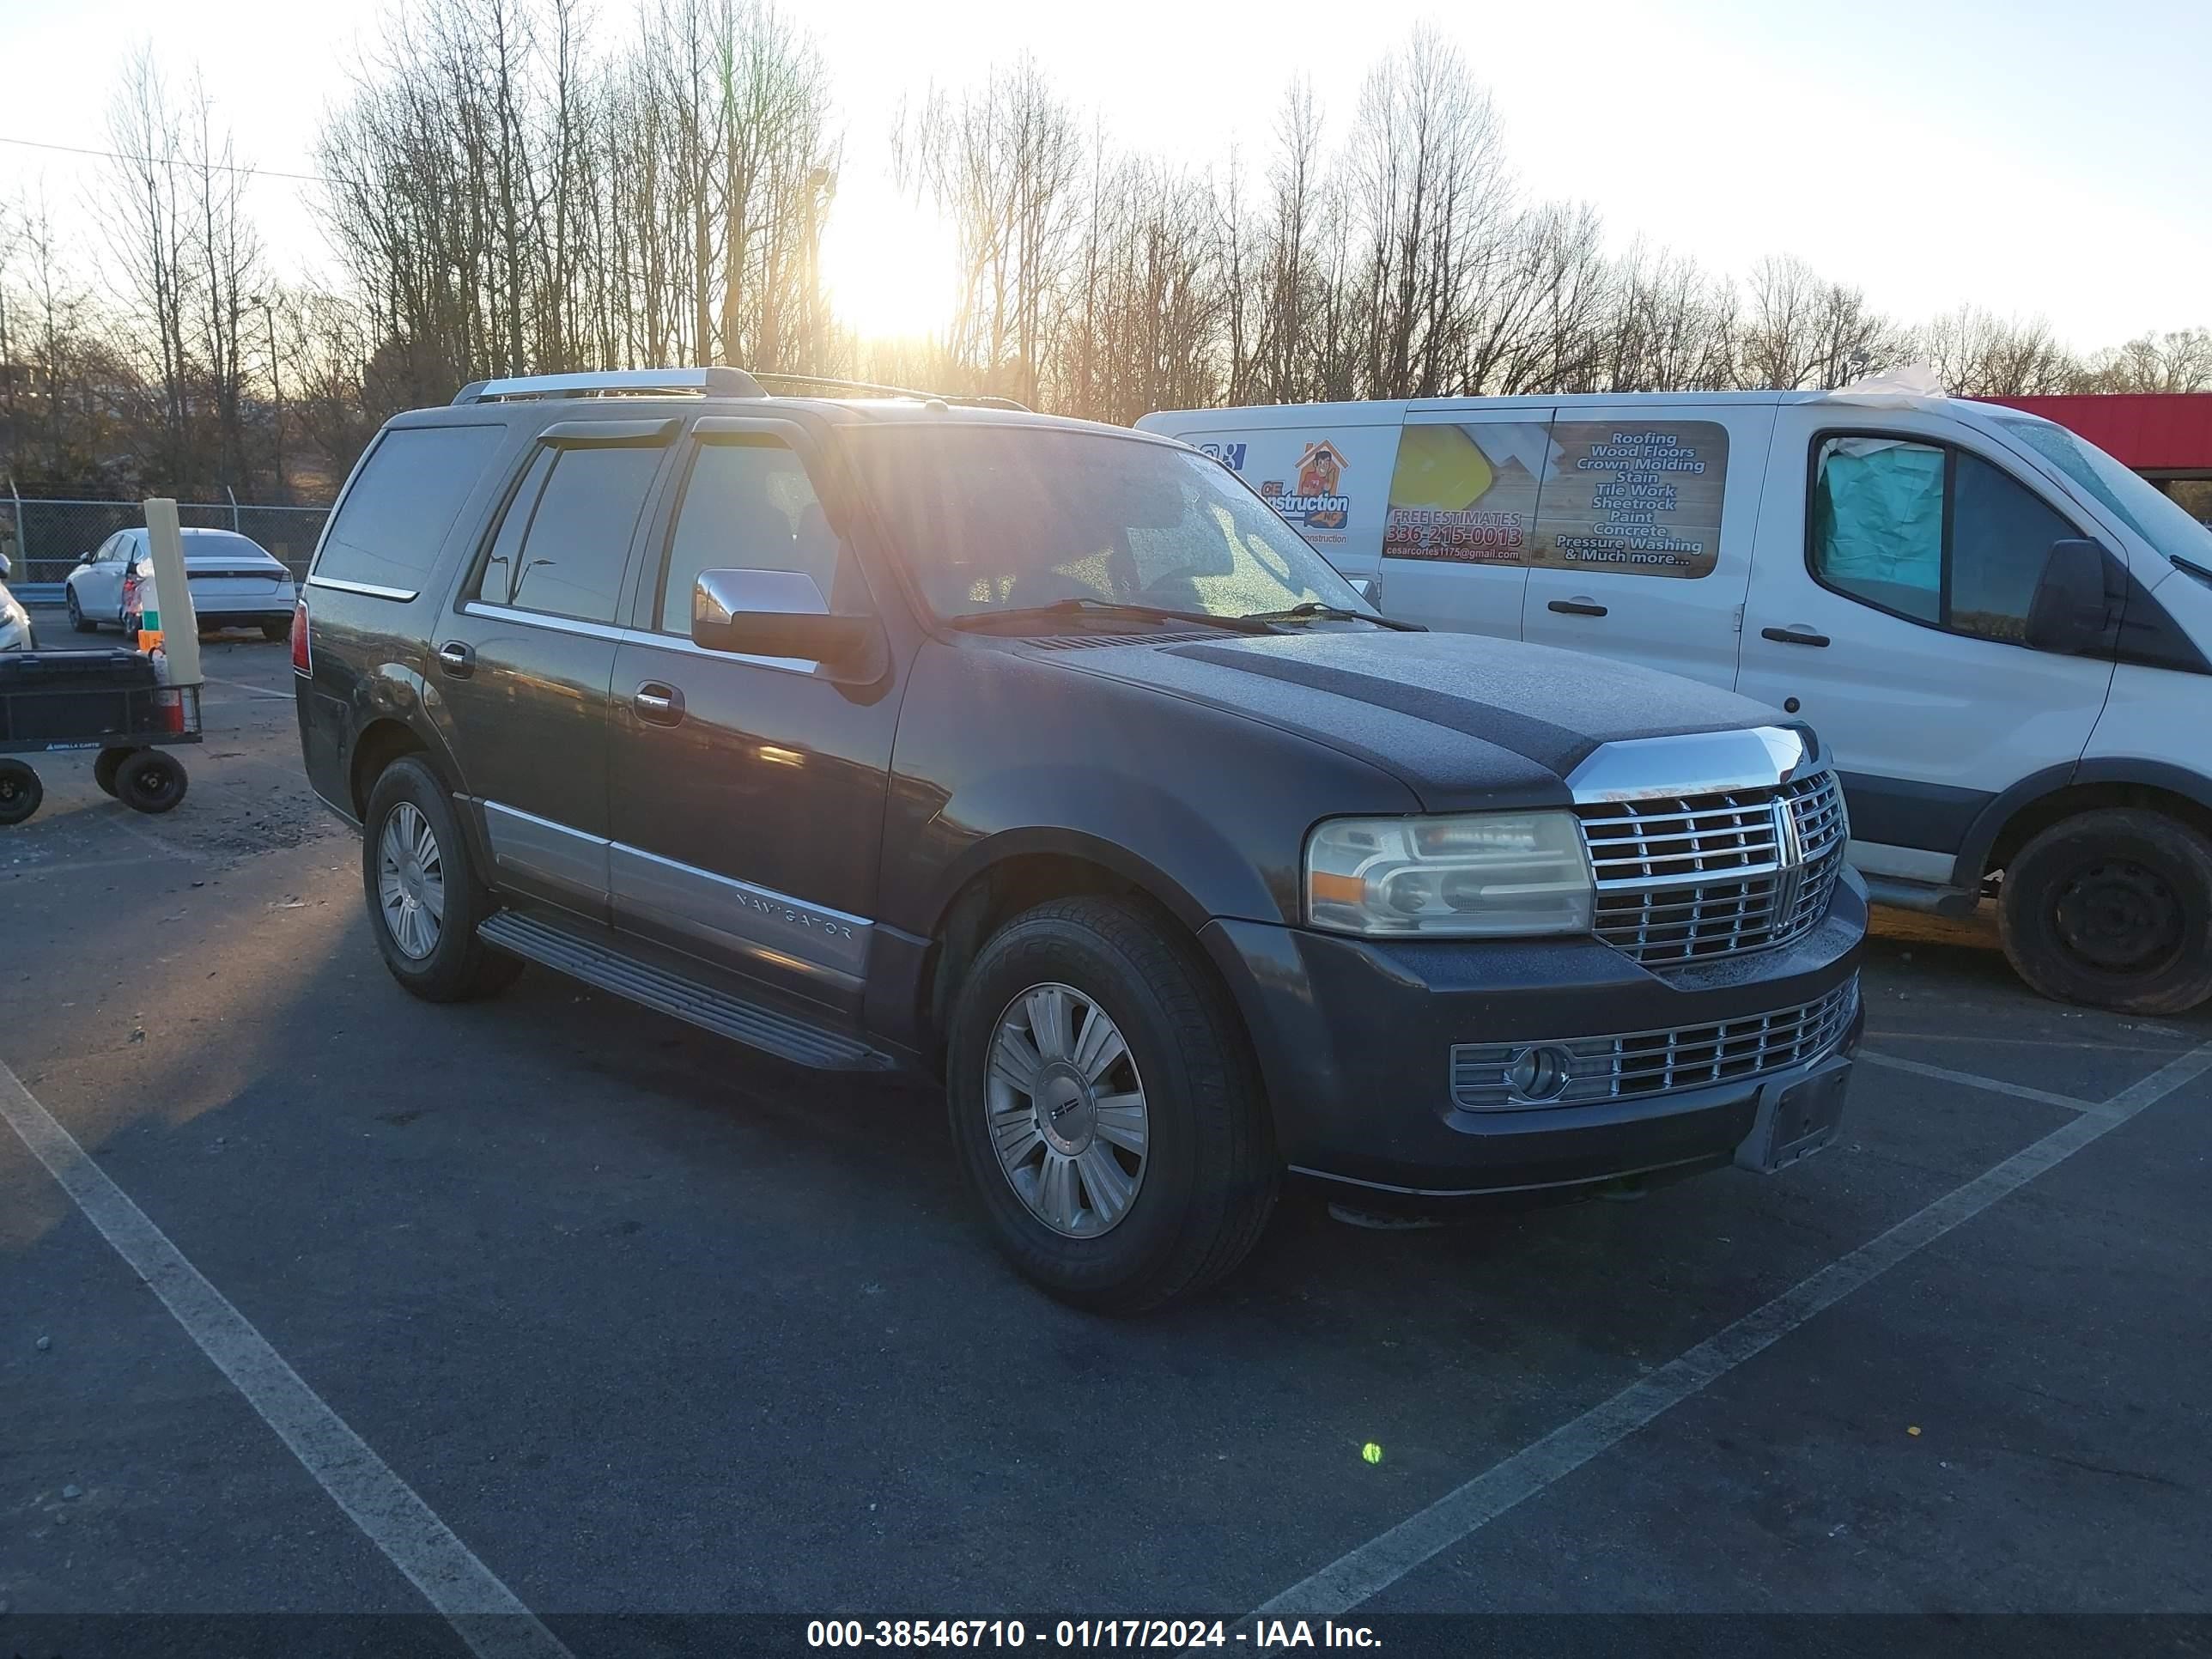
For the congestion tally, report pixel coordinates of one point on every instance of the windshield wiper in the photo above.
(1084, 606)
(1315, 610)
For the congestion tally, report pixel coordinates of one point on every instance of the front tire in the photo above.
(425, 900)
(1106, 1108)
(2113, 908)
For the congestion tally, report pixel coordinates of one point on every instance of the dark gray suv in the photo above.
(890, 732)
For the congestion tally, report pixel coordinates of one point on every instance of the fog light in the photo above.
(1537, 1074)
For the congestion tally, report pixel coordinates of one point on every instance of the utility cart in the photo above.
(110, 704)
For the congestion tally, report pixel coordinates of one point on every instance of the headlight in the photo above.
(1474, 875)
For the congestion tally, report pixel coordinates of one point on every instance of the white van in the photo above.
(2000, 633)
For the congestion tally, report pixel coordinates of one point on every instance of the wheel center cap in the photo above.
(1066, 1115)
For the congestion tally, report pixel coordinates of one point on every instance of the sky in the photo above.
(2031, 157)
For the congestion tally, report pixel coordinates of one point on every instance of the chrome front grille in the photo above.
(1680, 878)
(1600, 1068)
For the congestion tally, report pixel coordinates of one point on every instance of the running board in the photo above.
(778, 1034)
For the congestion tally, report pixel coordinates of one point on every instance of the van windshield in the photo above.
(1011, 518)
(2139, 504)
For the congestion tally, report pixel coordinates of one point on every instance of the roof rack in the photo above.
(965, 400)
(712, 382)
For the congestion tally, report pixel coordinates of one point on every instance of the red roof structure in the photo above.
(2161, 435)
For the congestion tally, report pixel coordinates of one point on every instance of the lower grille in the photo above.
(1639, 1063)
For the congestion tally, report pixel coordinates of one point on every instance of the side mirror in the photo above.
(781, 613)
(84, 558)
(1366, 587)
(2069, 613)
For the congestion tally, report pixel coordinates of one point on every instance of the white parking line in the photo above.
(240, 685)
(1993, 1086)
(1375, 1565)
(486, 1613)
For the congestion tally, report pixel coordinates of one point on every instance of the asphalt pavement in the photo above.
(653, 1326)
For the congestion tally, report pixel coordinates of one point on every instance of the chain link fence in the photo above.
(45, 539)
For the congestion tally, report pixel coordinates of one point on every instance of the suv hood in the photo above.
(1466, 721)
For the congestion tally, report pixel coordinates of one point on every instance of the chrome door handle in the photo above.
(658, 704)
(457, 659)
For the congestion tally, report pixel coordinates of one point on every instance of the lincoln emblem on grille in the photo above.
(1789, 857)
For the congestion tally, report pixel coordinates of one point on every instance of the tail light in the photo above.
(302, 658)
(131, 586)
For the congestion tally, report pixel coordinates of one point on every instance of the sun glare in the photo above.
(890, 266)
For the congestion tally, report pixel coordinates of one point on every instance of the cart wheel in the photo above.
(21, 792)
(149, 780)
(103, 770)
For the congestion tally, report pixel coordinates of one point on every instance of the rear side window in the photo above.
(562, 545)
(395, 517)
(1931, 533)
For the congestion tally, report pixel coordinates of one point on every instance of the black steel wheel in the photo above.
(2112, 908)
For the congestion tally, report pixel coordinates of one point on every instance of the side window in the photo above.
(2001, 535)
(566, 556)
(1878, 524)
(496, 584)
(750, 506)
(395, 518)
(1934, 534)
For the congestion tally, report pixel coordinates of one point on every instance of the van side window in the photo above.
(750, 506)
(2001, 534)
(562, 545)
(1931, 533)
(1878, 524)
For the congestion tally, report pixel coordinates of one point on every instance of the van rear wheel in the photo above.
(2113, 908)
(1106, 1108)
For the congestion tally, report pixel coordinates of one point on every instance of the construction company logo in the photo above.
(1318, 502)
(1230, 455)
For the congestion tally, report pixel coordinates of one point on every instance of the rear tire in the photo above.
(77, 618)
(2113, 908)
(1163, 1220)
(150, 780)
(104, 768)
(425, 899)
(21, 792)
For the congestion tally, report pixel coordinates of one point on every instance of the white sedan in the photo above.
(236, 583)
(15, 621)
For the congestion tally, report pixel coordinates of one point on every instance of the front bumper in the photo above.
(1355, 1039)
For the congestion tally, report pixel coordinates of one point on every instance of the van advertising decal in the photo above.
(1637, 498)
(1467, 493)
(1317, 501)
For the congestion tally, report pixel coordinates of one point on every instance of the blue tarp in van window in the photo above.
(1878, 523)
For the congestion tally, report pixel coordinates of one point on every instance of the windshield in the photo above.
(2139, 503)
(1005, 518)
